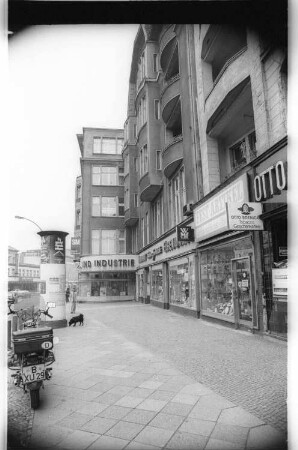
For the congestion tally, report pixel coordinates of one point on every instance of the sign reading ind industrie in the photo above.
(210, 218)
(108, 263)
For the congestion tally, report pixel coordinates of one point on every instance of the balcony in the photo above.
(150, 185)
(169, 97)
(131, 217)
(172, 156)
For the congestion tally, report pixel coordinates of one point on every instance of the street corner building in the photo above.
(106, 272)
(194, 198)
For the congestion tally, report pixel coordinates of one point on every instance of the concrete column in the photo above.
(53, 272)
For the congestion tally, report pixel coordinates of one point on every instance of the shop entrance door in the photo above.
(242, 292)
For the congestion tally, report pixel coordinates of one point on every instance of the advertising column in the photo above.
(52, 271)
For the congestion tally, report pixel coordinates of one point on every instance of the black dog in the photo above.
(74, 320)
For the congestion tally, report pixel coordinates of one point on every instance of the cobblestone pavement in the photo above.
(19, 417)
(138, 377)
(249, 370)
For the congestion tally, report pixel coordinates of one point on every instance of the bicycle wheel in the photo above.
(34, 397)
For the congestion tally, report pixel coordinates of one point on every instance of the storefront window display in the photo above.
(216, 278)
(108, 284)
(157, 284)
(182, 282)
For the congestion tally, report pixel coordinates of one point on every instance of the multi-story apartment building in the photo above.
(205, 134)
(106, 271)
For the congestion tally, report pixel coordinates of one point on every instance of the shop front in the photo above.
(269, 187)
(107, 278)
(224, 225)
(166, 275)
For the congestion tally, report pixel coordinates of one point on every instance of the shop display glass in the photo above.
(108, 284)
(156, 285)
(182, 283)
(216, 277)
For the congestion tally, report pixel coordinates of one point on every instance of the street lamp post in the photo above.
(29, 220)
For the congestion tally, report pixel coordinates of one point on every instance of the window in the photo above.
(157, 109)
(146, 228)
(79, 190)
(121, 206)
(155, 62)
(135, 130)
(107, 206)
(243, 151)
(97, 145)
(135, 200)
(107, 176)
(141, 69)
(108, 242)
(135, 164)
(78, 218)
(157, 218)
(176, 197)
(134, 240)
(121, 241)
(107, 145)
(126, 198)
(126, 164)
(158, 160)
(143, 160)
(143, 231)
(142, 113)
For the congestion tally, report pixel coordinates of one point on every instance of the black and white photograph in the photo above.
(145, 279)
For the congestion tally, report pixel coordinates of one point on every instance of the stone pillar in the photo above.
(52, 271)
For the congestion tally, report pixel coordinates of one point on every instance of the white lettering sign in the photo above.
(244, 216)
(270, 182)
(211, 217)
(108, 263)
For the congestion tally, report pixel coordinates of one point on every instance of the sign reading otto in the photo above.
(244, 216)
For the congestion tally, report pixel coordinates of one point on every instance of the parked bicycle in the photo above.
(32, 353)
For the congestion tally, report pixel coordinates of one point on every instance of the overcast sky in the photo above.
(61, 79)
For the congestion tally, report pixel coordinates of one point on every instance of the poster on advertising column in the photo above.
(52, 248)
(244, 216)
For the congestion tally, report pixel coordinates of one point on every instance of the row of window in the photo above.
(107, 206)
(107, 242)
(23, 272)
(107, 176)
(107, 145)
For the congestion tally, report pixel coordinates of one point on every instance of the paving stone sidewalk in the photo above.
(111, 393)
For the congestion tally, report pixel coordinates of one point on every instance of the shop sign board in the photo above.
(270, 181)
(108, 263)
(280, 282)
(244, 216)
(168, 247)
(75, 246)
(185, 234)
(210, 218)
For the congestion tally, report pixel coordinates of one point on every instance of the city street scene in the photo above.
(147, 289)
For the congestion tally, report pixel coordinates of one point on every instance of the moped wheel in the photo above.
(34, 397)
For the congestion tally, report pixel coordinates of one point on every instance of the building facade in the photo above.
(206, 133)
(106, 272)
(23, 269)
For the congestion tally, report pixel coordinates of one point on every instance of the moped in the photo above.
(32, 354)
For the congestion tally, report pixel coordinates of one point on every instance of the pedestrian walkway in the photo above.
(111, 393)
